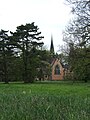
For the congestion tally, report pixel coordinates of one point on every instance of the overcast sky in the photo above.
(51, 16)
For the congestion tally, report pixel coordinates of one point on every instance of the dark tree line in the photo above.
(21, 54)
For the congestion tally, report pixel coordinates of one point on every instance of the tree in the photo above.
(6, 53)
(26, 38)
(44, 66)
(80, 26)
(77, 38)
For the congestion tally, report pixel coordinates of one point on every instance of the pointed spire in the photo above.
(52, 46)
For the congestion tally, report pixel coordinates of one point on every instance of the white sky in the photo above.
(51, 16)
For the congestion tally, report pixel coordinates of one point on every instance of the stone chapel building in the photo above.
(57, 69)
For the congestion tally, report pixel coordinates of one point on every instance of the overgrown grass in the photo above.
(45, 101)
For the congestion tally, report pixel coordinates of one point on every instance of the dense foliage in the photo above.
(21, 55)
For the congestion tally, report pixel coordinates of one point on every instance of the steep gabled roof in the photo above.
(54, 60)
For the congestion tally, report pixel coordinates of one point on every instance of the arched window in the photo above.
(57, 70)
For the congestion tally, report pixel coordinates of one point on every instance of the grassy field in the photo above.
(45, 101)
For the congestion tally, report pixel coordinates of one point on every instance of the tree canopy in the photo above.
(18, 51)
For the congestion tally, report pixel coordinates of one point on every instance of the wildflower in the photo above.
(24, 92)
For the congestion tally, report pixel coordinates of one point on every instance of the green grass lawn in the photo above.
(45, 101)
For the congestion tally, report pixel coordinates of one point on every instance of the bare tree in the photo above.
(77, 38)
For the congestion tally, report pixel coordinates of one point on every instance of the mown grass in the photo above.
(45, 101)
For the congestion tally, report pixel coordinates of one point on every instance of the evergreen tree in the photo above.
(26, 38)
(6, 53)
